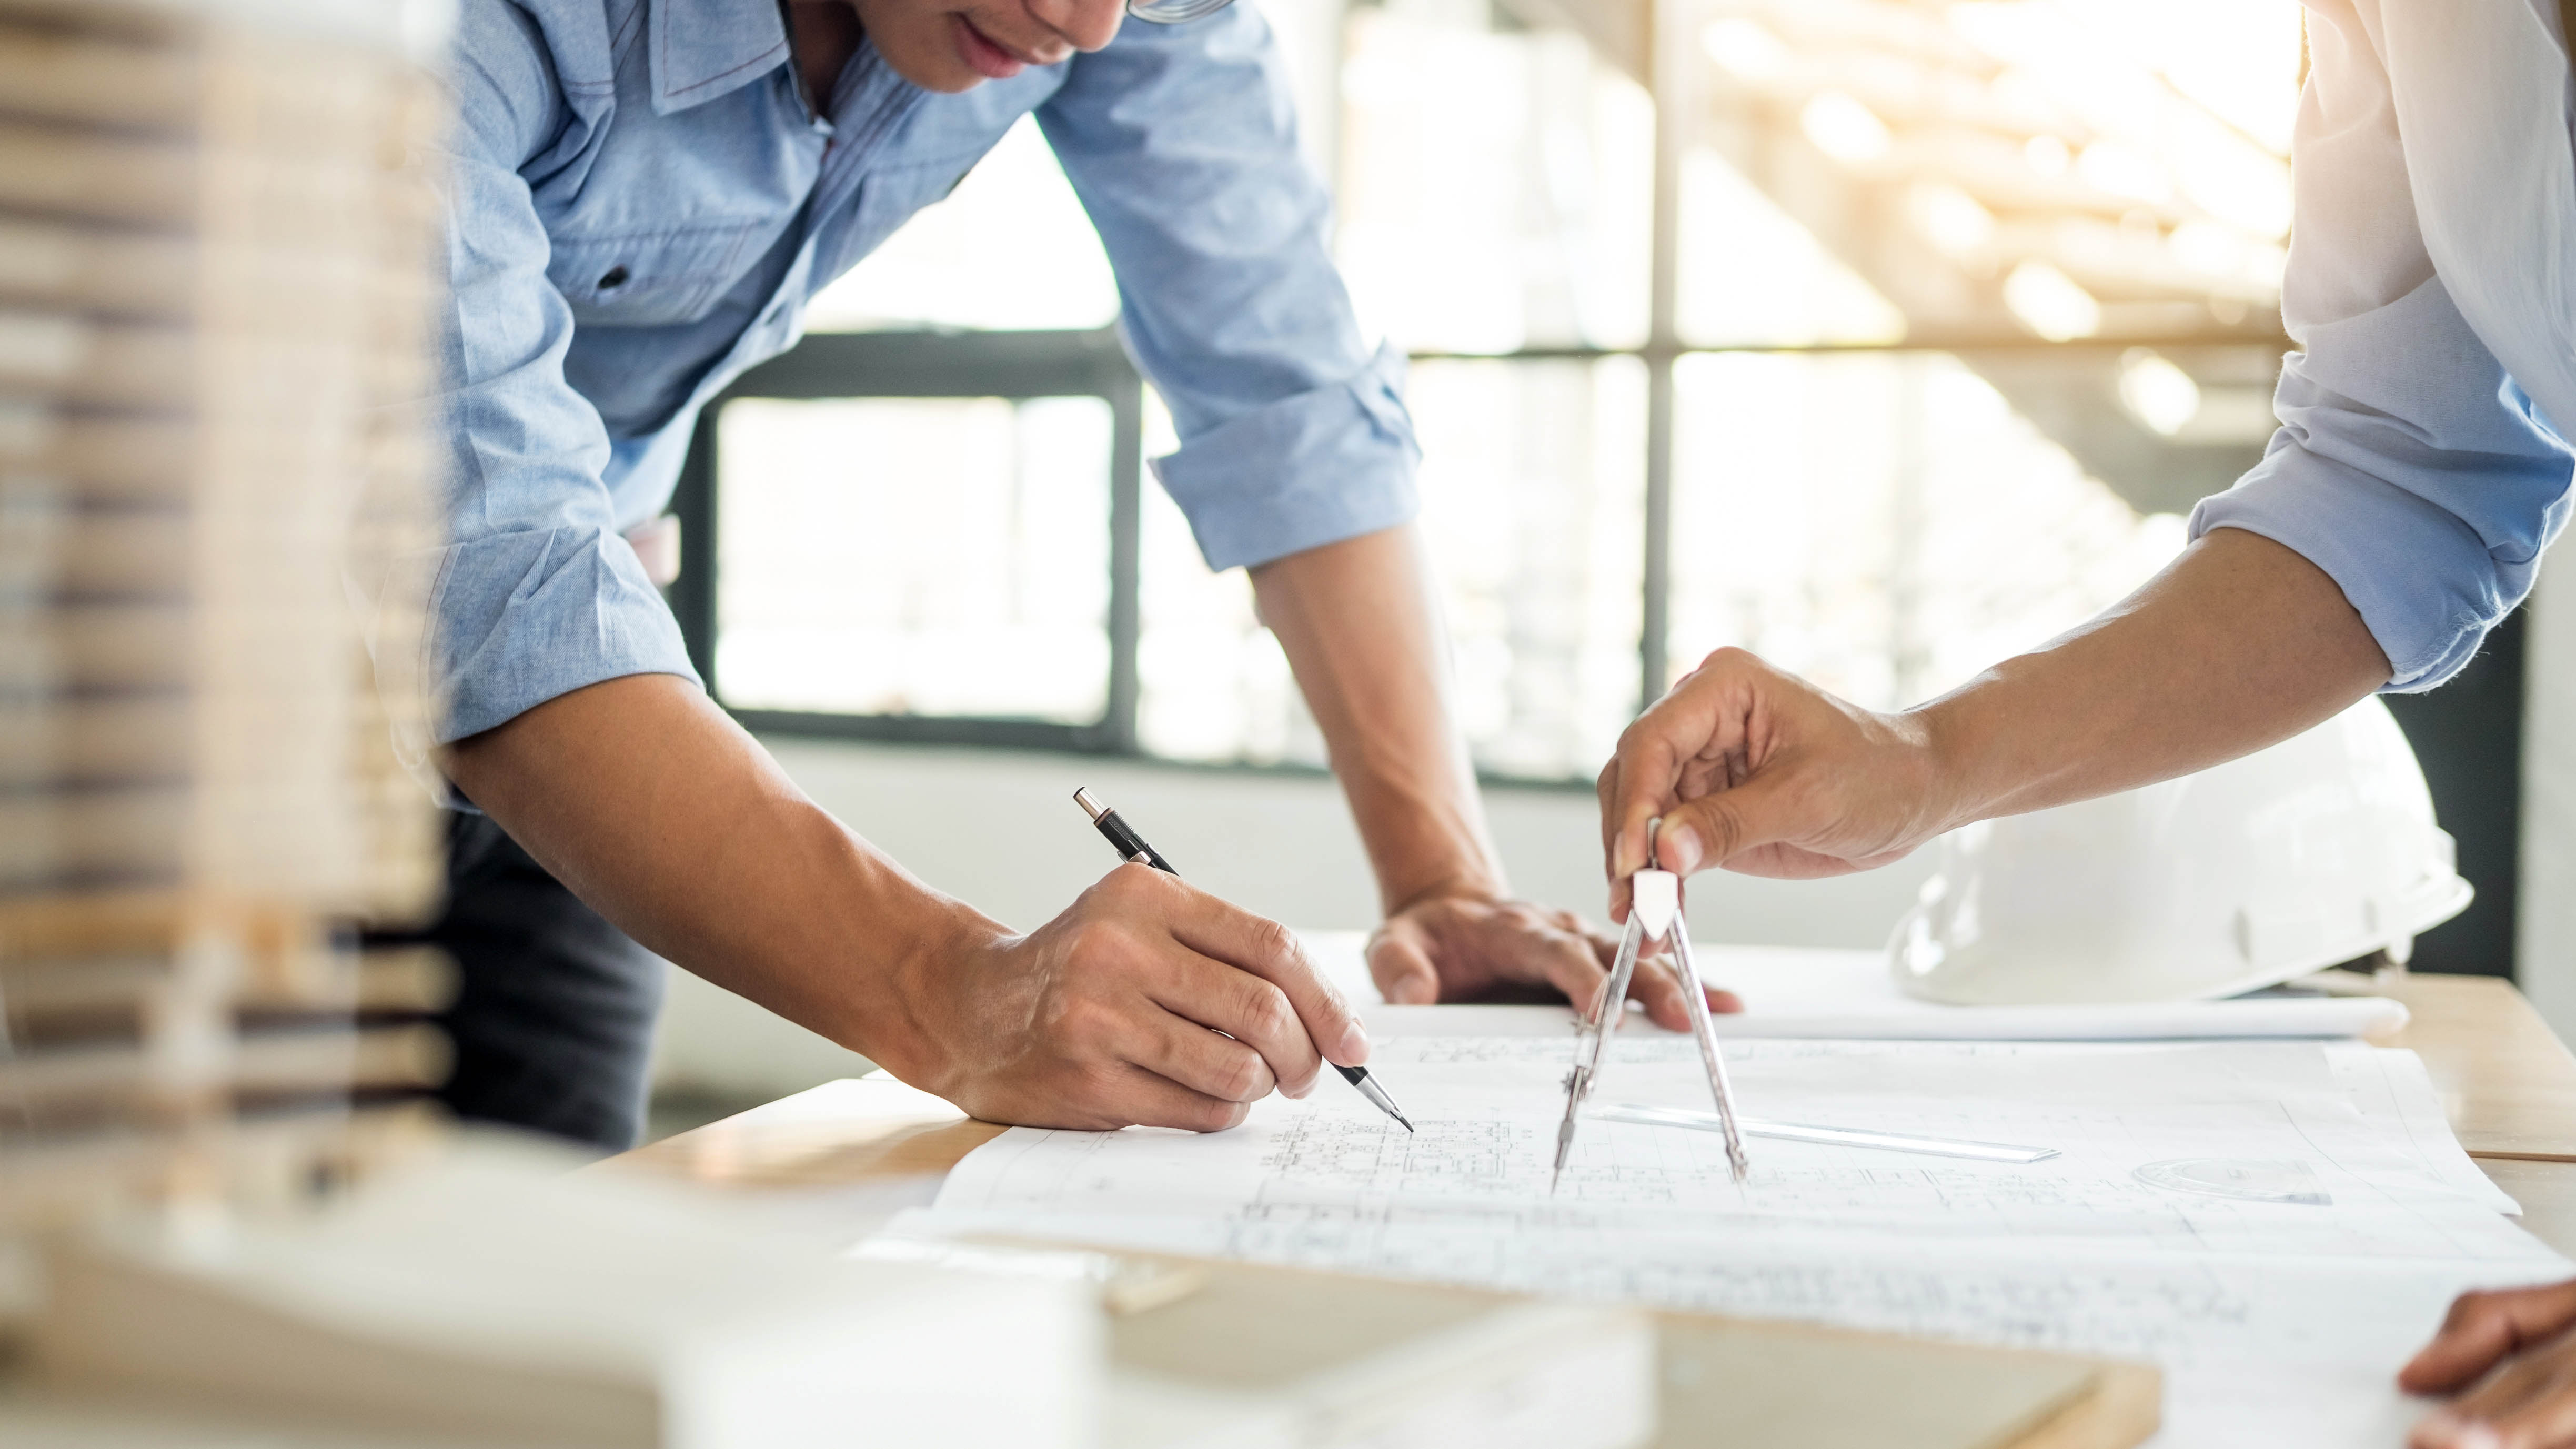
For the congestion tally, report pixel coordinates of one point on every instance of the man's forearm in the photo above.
(2240, 643)
(1360, 626)
(657, 810)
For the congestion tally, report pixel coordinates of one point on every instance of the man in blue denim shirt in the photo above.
(646, 192)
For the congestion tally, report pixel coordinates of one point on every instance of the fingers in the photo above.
(1403, 971)
(1714, 829)
(1613, 820)
(1470, 948)
(2529, 1403)
(1532, 946)
(2482, 1329)
(1149, 1099)
(1179, 1047)
(1268, 950)
(1206, 997)
(1657, 987)
(1702, 721)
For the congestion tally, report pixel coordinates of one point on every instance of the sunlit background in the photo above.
(1883, 337)
(1968, 302)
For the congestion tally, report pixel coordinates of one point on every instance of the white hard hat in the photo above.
(2316, 851)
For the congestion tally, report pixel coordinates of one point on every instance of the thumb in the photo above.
(1714, 829)
(1403, 971)
(2482, 1328)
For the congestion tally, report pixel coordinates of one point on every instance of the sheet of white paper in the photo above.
(2075, 1252)
(1807, 993)
(2389, 1085)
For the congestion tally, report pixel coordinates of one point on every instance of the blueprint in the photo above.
(2276, 1308)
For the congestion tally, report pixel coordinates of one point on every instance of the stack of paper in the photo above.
(2275, 1224)
(217, 260)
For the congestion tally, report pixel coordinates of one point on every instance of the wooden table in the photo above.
(2506, 1081)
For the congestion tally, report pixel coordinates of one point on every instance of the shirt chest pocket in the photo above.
(651, 279)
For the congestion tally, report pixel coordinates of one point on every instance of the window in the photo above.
(1884, 339)
(891, 538)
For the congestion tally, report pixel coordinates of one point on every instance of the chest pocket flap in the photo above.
(651, 279)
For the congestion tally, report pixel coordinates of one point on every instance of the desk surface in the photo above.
(2505, 1078)
(2506, 1081)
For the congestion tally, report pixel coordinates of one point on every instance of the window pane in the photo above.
(941, 556)
(1533, 503)
(1496, 187)
(1010, 249)
(1212, 684)
(1885, 525)
(1532, 487)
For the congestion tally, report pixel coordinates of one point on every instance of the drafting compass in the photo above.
(1654, 914)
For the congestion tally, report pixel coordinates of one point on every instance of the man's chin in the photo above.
(932, 70)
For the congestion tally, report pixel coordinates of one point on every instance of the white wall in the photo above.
(2545, 934)
(1001, 830)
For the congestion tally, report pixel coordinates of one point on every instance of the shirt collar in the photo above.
(702, 49)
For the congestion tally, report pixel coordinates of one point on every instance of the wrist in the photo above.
(1945, 752)
(905, 1015)
(1469, 882)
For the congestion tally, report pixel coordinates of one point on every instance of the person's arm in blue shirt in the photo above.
(1296, 462)
(2408, 466)
(573, 720)
(2398, 514)
(537, 593)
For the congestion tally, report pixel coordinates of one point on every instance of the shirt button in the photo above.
(615, 278)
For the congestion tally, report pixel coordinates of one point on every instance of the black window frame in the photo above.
(1017, 366)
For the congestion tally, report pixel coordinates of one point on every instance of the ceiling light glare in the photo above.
(1744, 48)
(2157, 393)
(1951, 219)
(1845, 129)
(2050, 304)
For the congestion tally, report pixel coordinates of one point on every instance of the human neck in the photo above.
(824, 35)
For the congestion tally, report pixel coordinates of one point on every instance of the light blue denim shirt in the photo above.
(2421, 460)
(642, 205)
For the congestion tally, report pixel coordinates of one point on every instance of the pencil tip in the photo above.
(1408, 1126)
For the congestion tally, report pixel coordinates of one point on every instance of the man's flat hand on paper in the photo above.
(1466, 947)
(1108, 1016)
(1360, 625)
(2511, 1357)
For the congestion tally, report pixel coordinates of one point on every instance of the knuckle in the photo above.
(1092, 942)
(1243, 1077)
(1074, 1016)
(1218, 1116)
(1094, 1088)
(1267, 1013)
(1272, 941)
(1722, 825)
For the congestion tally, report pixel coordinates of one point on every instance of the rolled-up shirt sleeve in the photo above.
(2412, 470)
(2409, 465)
(536, 593)
(1181, 142)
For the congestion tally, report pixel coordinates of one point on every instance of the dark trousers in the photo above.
(553, 1021)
